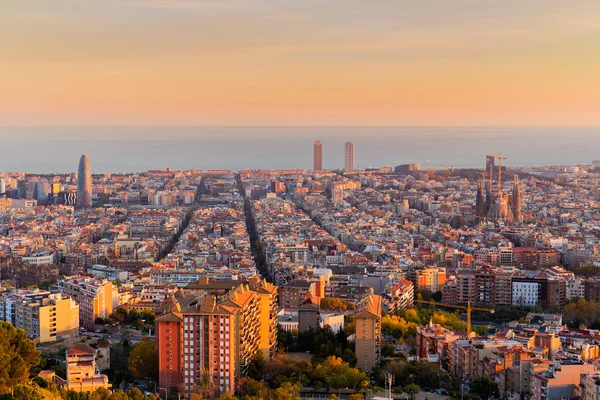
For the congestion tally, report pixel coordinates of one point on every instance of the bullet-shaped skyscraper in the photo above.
(84, 183)
(349, 157)
(318, 156)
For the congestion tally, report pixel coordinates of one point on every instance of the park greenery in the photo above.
(18, 355)
(133, 318)
(579, 312)
(403, 325)
(332, 303)
(292, 373)
(143, 360)
(321, 343)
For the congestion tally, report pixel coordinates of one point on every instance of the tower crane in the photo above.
(467, 307)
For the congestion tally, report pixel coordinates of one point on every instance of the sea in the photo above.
(140, 148)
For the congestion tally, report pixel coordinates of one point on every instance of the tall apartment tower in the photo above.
(349, 157)
(205, 341)
(318, 156)
(84, 183)
(367, 316)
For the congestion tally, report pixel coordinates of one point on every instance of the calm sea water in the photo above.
(130, 149)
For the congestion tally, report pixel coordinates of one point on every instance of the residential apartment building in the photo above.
(45, 316)
(94, 297)
(589, 387)
(432, 278)
(204, 342)
(401, 296)
(560, 380)
(432, 342)
(548, 292)
(367, 316)
(82, 371)
(465, 282)
(295, 292)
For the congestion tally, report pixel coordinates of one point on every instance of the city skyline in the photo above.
(131, 149)
(341, 199)
(264, 62)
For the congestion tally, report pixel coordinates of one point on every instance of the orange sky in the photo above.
(313, 62)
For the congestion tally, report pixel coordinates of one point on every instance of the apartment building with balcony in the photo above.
(560, 380)
(367, 316)
(94, 297)
(205, 342)
(45, 316)
(82, 371)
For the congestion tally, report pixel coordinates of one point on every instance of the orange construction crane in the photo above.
(467, 307)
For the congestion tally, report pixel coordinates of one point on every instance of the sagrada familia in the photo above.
(496, 206)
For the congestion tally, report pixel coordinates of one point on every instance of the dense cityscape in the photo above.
(282, 284)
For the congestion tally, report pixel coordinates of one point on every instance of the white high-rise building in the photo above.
(349, 157)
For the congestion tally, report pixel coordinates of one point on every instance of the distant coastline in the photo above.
(138, 148)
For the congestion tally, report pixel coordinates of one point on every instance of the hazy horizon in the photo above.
(136, 149)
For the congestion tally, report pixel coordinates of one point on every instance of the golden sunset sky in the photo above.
(299, 62)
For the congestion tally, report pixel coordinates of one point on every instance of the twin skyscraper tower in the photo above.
(348, 156)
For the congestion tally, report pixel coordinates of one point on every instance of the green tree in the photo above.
(135, 394)
(581, 312)
(356, 396)
(256, 368)
(100, 394)
(338, 374)
(485, 388)
(252, 388)
(287, 391)
(118, 395)
(388, 350)
(143, 360)
(227, 396)
(27, 392)
(412, 388)
(17, 356)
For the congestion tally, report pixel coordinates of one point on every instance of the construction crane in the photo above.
(467, 307)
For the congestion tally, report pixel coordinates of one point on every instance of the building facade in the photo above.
(94, 297)
(349, 157)
(84, 183)
(205, 342)
(45, 316)
(367, 316)
(318, 156)
(82, 370)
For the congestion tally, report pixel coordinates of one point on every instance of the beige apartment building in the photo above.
(367, 316)
(45, 316)
(82, 371)
(94, 296)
